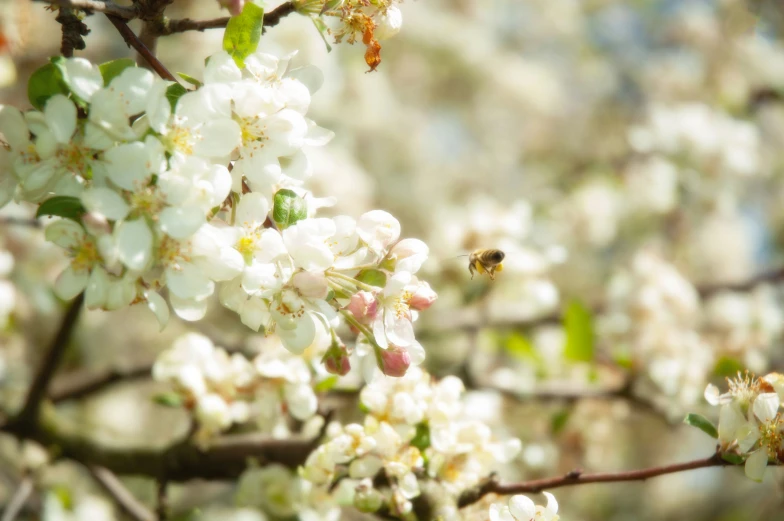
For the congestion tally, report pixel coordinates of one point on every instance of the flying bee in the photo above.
(485, 260)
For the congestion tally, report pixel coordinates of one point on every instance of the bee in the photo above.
(485, 260)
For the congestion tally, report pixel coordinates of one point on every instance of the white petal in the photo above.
(14, 128)
(221, 68)
(82, 77)
(65, 233)
(766, 406)
(159, 307)
(60, 114)
(552, 504)
(522, 507)
(298, 339)
(756, 464)
(252, 210)
(120, 294)
(189, 282)
(712, 394)
(181, 222)
(309, 75)
(416, 352)
(188, 309)
(70, 283)
(106, 202)
(129, 165)
(97, 288)
(318, 136)
(218, 138)
(255, 314)
(500, 513)
(133, 86)
(134, 244)
(400, 331)
(227, 264)
(158, 107)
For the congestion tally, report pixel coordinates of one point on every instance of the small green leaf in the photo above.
(288, 207)
(727, 366)
(190, 79)
(170, 399)
(62, 206)
(579, 333)
(731, 457)
(702, 423)
(174, 92)
(375, 278)
(321, 27)
(516, 344)
(326, 384)
(45, 83)
(114, 68)
(421, 439)
(243, 33)
(559, 420)
(64, 496)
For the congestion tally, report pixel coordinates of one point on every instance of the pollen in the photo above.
(402, 304)
(85, 256)
(181, 139)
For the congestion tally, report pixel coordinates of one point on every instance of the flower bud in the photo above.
(366, 498)
(234, 6)
(395, 361)
(336, 360)
(363, 306)
(423, 298)
(388, 23)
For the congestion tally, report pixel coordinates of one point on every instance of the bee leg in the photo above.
(471, 269)
(491, 272)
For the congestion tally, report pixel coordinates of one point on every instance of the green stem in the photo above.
(355, 282)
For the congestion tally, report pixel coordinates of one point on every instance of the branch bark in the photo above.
(271, 19)
(120, 494)
(576, 477)
(133, 41)
(109, 8)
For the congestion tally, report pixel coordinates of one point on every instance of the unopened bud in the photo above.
(366, 498)
(364, 306)
(388, 23)
(234, 6)
(395, 361)
(336, 360)
(423, 298)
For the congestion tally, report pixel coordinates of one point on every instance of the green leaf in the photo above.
(170, 399)
(516, 344)
(326, 384)
(45, 83)
(114, 68)
(727, 366)
(731, 457)
(559, 420)
(174, 92)
(288, 207)
(702, 423)
(243, 33)
(190, 79)
(321, 27)
(64, 496)
(62, 206)
(421, 439)
(579, 333)
(375, 278)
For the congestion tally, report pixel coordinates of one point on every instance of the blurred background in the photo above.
(626, 155)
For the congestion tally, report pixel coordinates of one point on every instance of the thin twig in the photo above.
(110, 8)
(121, 495)
(271, 19)
(576, 477)
(8, 220)
(84, 383)
(18, 500)
(162, 507)
(51, 360)
(133, 41)
(74, 31)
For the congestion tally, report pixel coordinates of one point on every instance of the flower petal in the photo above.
(158, 306)
(70, 283)
(60, 115)
(97, 288)
(82, 77)
(134, 244)
(522, 507)
(106, 202)
(766, 405)
(189, 282)
(189, 310)
(756, 464)
(181, 222)
(300, 337)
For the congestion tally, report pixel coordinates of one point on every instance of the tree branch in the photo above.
(109, 8)
(225, 459)
(271, 19)
(120, 494)
(576, 477)
(83, 383)
(7, 220)
(162, 507)
(52, 358)
(133, 41)
(18, 500)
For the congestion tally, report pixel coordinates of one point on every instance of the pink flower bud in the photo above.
(336, 360)
(363, 306)
(423, 298)
(234, 6)
(395, 361)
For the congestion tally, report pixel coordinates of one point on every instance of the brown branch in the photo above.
(20, 221)
(163, 504)
(51, 360)
(18, 500)
(74, 31)
(133, 41)
(226, 458)
(576, 477)
(120, 494)
(271, 19)
(83, 383)
(109, 8)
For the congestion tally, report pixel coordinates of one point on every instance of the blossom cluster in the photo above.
(522, 508)
(225, 389)
(198, 192)
(751, 428)
(415, 429)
